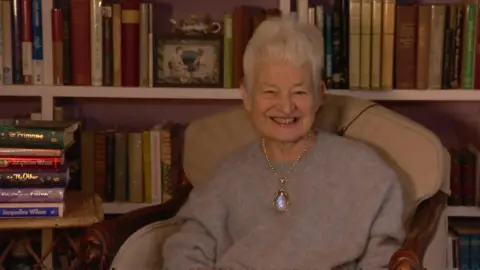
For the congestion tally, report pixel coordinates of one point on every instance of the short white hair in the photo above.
(286, 39)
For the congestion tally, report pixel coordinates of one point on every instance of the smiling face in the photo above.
(283, 102)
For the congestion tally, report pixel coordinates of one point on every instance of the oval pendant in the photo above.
(281, 201)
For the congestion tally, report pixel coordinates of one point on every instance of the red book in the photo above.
(130, 43)
(57, 29)
(80, 42)
(17, 162)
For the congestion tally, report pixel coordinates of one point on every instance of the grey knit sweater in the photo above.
(345, 213)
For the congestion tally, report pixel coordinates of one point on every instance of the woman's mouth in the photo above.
(285, 121)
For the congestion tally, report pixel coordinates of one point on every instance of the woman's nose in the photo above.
(287, 105)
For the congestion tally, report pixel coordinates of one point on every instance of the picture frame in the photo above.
(182, 60)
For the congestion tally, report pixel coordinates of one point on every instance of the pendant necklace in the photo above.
(281, 200)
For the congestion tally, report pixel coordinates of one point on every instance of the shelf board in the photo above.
(223, 94)
(463, 211)
(121, 92)
(122, 207)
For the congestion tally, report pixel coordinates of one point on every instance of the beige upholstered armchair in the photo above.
(135, 240)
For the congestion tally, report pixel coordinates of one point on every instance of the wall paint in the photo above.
(216, 8)
(18, 106)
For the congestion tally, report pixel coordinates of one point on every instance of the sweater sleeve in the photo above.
(387, 231)
(203, 234)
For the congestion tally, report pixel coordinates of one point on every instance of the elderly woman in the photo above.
(336, 203)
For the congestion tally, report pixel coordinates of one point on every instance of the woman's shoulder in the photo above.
(232, 165)
(356, 156)
(351, 148)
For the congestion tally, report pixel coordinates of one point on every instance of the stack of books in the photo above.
(34, 174)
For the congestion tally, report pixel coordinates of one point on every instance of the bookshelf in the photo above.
(223, 94)
(49, 93)
(463, 211)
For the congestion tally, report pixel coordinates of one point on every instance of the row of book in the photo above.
(404, 44)
(463, 247)
(464, 177)
(133, 166)
(106, 47)
(34, 173)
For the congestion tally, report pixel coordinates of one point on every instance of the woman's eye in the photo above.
(300, 92)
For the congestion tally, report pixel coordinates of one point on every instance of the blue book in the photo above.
(37, 41)
(29, 210)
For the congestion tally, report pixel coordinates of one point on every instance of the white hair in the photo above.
(285, 39)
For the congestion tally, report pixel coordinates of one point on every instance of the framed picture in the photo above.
(188, 61)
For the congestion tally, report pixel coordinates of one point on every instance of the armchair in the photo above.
(135, 239)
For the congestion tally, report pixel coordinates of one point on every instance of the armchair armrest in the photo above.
(422, 229)
(102, 240)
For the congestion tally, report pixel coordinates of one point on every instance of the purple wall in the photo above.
(216, 8)
(18, 106)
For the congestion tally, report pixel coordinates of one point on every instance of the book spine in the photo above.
(30, 138)
(376, 61)
(33, 179)
(130, 43)
(80, 35)
(143, 39)
(27, 58)
(388, 43)
(96, 42)
(366, 44)
(17, 42)
(57, 43)
(64, 5)
(437, 30)
(5, 151)
(7, 42)
(47, 42)
(147, 176)
(117, 44)
(156, 171)
(37, 42)
(228, 51)
(150, 46)
(405, 47)
(31, 195)
(456, 65)
(107, 44)
(469, 46)
(329, 48)
(354, 43)
(14, 212)
(12, 162)
(448, 45)
(110, 169)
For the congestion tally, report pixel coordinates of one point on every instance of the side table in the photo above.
(81, 211)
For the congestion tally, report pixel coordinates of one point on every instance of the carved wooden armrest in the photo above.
(421, 232)
(103, 240)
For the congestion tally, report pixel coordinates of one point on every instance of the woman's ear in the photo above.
(246, 98)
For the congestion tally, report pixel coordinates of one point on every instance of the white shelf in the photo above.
(463, 211)
(222, 94)
(121, 92)
(122, 207)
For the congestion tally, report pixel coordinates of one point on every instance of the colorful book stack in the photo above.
(34, 174)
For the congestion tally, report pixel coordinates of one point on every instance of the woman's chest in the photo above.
(313, 204)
